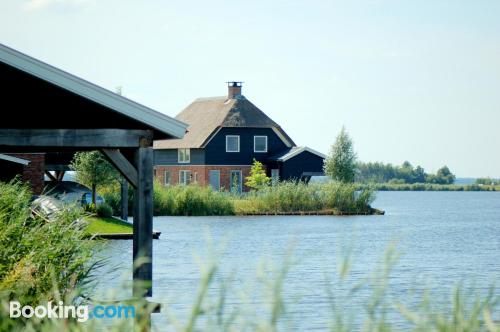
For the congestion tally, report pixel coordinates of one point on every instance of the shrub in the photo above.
(104, 210)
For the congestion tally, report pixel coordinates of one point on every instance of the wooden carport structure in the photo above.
(45, 109)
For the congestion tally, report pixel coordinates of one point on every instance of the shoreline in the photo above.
(428, 187)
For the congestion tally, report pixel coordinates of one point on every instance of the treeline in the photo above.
(488, 181)
(405, 174)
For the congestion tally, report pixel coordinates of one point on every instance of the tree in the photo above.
(340, 165)
(445, 176)
(257, 178)
(93, 170)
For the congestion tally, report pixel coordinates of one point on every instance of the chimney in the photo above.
(233, 90)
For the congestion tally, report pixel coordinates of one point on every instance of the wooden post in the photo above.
(124, 199)
(143, 222)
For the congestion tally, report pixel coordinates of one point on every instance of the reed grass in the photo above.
(284, 197)
(38, 255)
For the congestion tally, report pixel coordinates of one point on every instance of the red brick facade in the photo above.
(199, 174)
(33, 173)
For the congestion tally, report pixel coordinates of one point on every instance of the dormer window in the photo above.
(232, 143)
(260, 144)
(183, 156)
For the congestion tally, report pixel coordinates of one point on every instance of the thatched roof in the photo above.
(205, 116)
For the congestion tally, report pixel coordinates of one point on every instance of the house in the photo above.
(224, 136)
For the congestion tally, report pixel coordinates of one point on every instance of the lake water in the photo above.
(443, 237)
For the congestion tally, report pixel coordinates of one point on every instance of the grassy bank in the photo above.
(285, 197)
(429, 187)
(100, 225)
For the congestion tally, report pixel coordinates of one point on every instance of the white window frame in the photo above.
(238, 137)
(188, 156)
(254, 139)
(188, 177)
(165, 178)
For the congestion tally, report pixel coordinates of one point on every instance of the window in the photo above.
(232, 143)
(167, 178)
(275, 176)
(195, 177)
(260, 144)
(235, 181)
(184, 177)
(214, 179)
(183, 156)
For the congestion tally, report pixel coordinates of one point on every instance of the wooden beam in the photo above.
(124, 199)
(50, 176)
(77, 138)
(60, 175)
(143, 223)
(122, 165)
(54, 167)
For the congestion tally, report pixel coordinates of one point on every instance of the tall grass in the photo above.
(292, 197)
(284, 197)
(192, 200)
(38, 255)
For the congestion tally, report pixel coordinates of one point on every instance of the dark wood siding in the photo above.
(304, 162)
(215, 151)
(169, 157)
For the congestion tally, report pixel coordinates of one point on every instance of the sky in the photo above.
(409, 80)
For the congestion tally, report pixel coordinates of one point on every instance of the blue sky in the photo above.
(410, 80)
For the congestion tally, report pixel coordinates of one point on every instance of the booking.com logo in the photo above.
(82, 313)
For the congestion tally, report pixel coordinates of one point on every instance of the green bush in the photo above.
(104, 210)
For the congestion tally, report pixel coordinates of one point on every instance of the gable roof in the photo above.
(158, 121)
(205, 116)
(295, 151)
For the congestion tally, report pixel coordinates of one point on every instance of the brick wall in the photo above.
(33, 173)
(202, 172)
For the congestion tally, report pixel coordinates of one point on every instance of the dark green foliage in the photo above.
(393, 186)
(104, 210)
(93, 170)
(443, 176)
(405, 174)
(488, 181)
